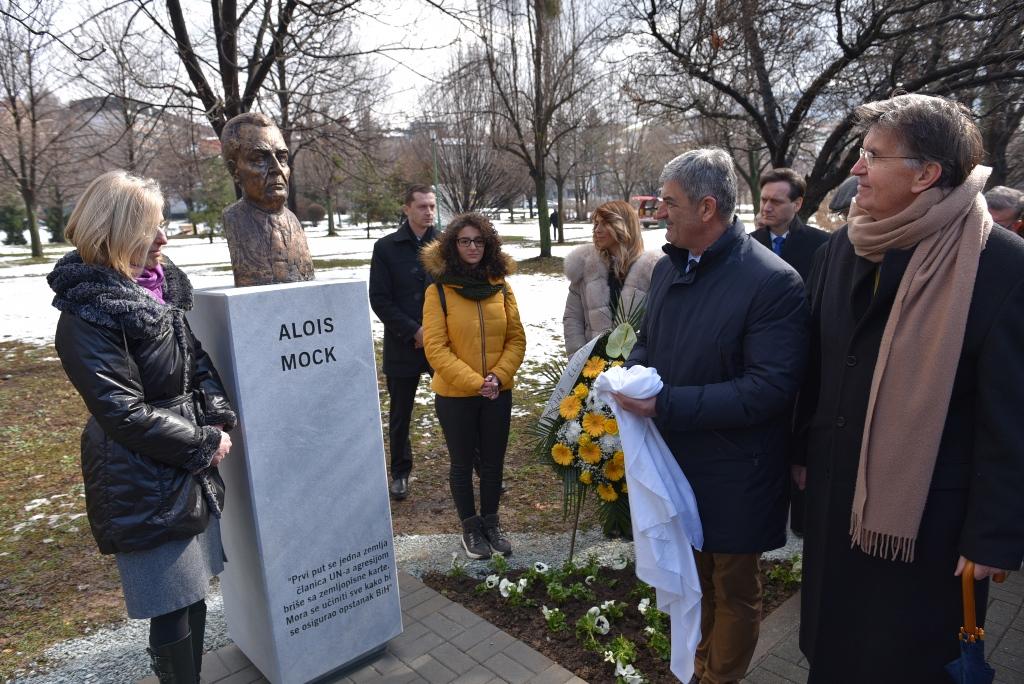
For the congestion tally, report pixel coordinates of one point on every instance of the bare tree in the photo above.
(794, 71)
(535, 51)
(31, 128)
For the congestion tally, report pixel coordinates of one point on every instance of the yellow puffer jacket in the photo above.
(474, 339)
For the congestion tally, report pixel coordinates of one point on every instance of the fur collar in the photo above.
(584, 265)
(435, 266)
(104, 297)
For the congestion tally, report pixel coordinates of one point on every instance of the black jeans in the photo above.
(402, 393)
(473, 424)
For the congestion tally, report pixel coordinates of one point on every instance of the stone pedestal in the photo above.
(311, 583)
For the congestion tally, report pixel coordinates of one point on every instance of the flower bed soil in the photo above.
(527, 624)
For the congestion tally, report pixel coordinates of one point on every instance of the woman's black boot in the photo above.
(174, 663)
(197, 623)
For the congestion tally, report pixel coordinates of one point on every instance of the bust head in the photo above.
(257, 159)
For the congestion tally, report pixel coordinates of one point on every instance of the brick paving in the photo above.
(445, 643)
(778, 659)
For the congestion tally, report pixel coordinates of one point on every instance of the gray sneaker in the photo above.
(473, 540)
(495, 537)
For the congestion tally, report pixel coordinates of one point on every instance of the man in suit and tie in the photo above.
(782, 195)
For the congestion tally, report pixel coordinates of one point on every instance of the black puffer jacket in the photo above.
(141, 373)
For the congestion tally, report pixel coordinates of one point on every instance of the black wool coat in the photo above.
(729, 340)
(143, 375)
(800, 246)
(865, 619)
(397, 281)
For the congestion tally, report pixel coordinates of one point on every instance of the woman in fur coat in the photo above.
(475, 343)
(159, 416)
(612, 270)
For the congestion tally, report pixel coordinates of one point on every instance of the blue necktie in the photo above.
(691, 264)
(777, 244)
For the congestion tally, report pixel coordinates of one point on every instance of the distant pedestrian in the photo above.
(909, 419)
(396, 287)
(475, 342)
(159, 415)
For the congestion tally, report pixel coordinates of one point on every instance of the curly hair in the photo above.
(494, 263)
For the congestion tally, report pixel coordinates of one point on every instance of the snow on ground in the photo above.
(26, 313)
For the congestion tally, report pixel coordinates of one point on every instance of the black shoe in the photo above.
(473, 539)
(173, 663)
(495, 537)
(399, 488)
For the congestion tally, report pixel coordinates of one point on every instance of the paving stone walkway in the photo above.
(778, 659)
(444, 643)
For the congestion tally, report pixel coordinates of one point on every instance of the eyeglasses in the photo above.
(870, 157)
(466, 242)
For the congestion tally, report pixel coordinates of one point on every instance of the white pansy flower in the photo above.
(589, 579)
(540, 567)
(649, 630)
(610, 603)
(594, 611)
(609, 657)
(602, 624)
(522, 584)
(547, 612)
(644, 605)
(505, 587)
(618, 563)
(491, 581)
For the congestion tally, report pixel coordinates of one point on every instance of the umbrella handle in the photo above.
(970, 615)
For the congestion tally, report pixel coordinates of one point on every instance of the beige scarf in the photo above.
(917, 361)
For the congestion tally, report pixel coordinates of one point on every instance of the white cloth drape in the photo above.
(664, 512)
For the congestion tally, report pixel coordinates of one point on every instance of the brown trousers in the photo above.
(730, 615)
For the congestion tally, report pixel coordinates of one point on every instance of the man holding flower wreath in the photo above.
(726, 329)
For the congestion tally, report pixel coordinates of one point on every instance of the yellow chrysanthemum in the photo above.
(594, 366)
(607, 492)
(616, 364)
(625, 489)
(615, 468)
(611, 426)
(561, 454)
(591, 453)
(581, 391)
(593, 423)
(570, 407)
(584, 440)
(586, 477)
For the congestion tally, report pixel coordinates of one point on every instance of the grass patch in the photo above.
(30, 261)
(541, 265)
(54, 584)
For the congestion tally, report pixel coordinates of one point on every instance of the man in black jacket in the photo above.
(782, 195)
(726, 329)
(397, 281)
(909, 420)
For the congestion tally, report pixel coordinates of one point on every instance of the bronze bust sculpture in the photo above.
(265, 240)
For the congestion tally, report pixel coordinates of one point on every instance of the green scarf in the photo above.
(472, 288)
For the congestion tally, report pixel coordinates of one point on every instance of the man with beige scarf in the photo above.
(912, 447)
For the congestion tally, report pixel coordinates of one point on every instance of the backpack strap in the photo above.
(440, 295)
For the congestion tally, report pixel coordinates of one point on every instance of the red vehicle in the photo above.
(645, 206)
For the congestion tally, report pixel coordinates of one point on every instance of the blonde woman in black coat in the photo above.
(157, 432)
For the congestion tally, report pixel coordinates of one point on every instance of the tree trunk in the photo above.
(539, 181)
(331, 231)
(28, 198)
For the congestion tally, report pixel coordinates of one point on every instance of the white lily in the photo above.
(491, 581)
(540, 567)
(602, 624)
(505, 587)
(644, 605)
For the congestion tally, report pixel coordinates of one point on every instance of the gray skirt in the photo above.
(171, 576)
